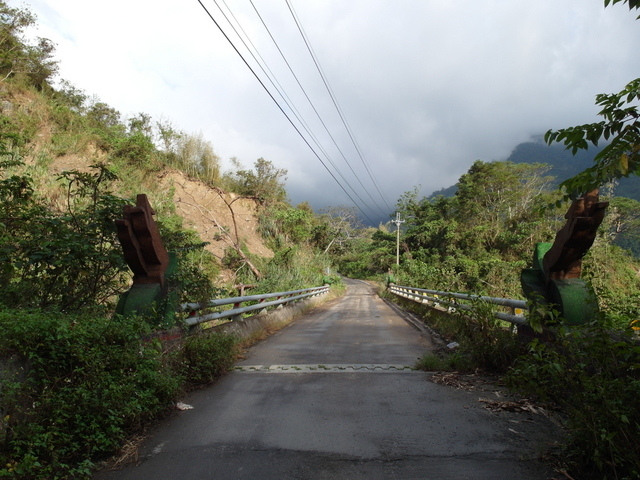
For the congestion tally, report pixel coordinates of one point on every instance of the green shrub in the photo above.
(454, 361)
(197, 268)
(206, 357)
(490, 343)
(64, 261)
(291, 268)
(331, 279)
(484, 341)
(136, 148)
(88, 383)
(613, 273)
(595, 377)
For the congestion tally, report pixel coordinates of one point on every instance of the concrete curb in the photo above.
(249, 327)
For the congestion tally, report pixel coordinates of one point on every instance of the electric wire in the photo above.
(281, 91)
(295, 76)
(334, 100)
(338, 109)
(326, 83)
(281, 109)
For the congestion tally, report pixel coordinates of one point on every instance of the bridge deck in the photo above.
(334, 396)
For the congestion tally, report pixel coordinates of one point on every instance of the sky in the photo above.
(412, 92)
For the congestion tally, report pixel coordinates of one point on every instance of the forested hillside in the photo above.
(479, 239)
(565, 165)
(623, 193)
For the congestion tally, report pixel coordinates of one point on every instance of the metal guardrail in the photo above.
(281, 298)
(437, 297)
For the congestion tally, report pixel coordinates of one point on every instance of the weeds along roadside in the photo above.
(484, 342)
(75, 386)
(592, 373)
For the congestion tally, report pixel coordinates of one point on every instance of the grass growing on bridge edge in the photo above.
(484, 341)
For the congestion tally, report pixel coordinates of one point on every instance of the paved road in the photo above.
(332, 397)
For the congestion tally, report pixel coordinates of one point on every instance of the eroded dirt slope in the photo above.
(209, 211)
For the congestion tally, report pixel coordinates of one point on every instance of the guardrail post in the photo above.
(237, 317)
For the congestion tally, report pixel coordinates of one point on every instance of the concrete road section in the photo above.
(333, 396)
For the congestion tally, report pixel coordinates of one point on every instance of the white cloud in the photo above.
(427, 86)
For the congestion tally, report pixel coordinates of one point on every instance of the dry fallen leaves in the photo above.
(456, 380)
(522, 405)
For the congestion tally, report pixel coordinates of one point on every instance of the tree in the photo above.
(71, 96)
(494, 200)
(102, 117)
(17, 57)
(498, 191)
(342, 225)
(479, 239)
(623, 222)
(136, 145)
(621, 127)
(196, 156)
(294, 224)
(104, 123)
(265, 182)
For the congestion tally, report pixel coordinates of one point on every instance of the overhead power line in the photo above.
(278, 105)
(281, 91)
(333, 99)
(311, 103)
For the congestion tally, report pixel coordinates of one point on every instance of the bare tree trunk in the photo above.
(329, 246)
(236, 241)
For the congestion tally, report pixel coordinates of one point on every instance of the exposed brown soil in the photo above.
(209, 211)
(206, 210)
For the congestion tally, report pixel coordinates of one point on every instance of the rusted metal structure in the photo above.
(149, 261)
(555, 277)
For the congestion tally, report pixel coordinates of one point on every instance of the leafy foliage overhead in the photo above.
(621, 127)
(633, 4)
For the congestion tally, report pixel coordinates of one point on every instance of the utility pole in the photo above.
(397, 221)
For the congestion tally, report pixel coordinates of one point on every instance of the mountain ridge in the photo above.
(563, 165)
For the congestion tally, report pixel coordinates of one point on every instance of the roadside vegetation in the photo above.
(76, 381)
(478, 241)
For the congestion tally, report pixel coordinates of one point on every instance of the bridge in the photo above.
(335, 396)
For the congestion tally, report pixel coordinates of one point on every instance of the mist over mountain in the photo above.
(563, 165)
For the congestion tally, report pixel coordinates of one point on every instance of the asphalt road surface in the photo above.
(333, 396)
